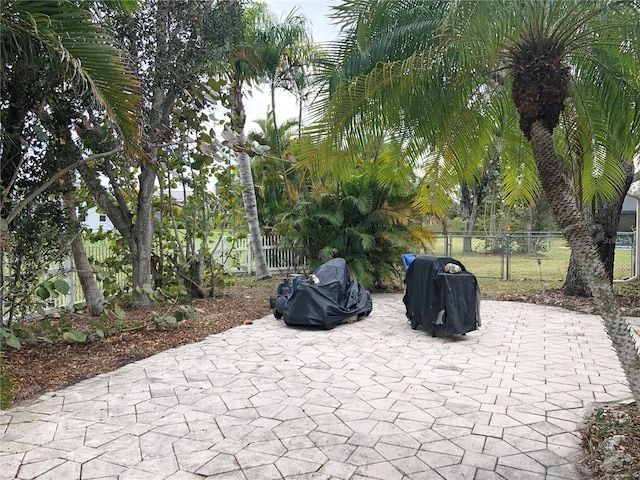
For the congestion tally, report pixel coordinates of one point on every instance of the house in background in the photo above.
(94, 220)
(629, 214)
(629, 222)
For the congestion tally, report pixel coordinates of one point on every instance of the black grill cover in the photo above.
(439, 300)
(334, 299)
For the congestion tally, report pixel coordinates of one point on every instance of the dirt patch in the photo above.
(46, 367)
(629, 301)
(611, 442)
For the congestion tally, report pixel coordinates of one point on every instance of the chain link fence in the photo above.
(540, 256)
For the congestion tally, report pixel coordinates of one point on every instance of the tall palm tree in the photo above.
(279, 47)
(423, 66)
(245, 69)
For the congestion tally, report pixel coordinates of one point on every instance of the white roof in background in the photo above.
(630, 203)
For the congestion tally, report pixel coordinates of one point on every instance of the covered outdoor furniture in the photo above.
(330, 298)
(441, 295)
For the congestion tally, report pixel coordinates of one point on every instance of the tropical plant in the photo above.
(438, 70)
(368, 217)
(282, 50)
(67, 34)
(52, 51)
(276, 186)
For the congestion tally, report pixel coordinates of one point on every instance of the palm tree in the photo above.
(279, 47)
(65, 34)
(541, 82)
(367, 215)
(245, 68)
(424, 66)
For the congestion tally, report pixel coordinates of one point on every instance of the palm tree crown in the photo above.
(440, 76)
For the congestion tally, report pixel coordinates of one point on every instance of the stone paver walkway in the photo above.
(372, 399)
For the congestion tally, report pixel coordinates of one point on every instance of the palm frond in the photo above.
(82, 47)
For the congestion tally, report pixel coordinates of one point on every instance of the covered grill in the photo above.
(441, 295)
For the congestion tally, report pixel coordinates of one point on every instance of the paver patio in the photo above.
(371, 399)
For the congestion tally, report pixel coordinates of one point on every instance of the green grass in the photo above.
(547, 265)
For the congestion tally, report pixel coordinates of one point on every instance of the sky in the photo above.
(323, 31)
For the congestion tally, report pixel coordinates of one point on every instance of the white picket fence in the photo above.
(236, 256)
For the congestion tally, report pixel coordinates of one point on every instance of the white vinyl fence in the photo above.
(236, 256)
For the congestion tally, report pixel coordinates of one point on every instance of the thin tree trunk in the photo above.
(470, 206)
(248, 189)
(92, 292)
(275, 123)
(570, 220)
(530, 240)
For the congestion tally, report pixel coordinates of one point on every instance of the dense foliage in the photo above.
(368, 224)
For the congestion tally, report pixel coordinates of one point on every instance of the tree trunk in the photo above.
(92, 292)
(603, 221)
(275, 123)
(143, 238)
(138, 235)
(248, 189)
(470, 205)
(569, 218)
(531, 244)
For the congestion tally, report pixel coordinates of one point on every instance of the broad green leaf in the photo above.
(80, 336)
(42, 292)
(74, 336)
(102, 275)
(14, 342)
(69, 337)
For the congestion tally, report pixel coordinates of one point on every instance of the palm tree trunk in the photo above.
(604, 219)
(275, 123)
(248, 189)
(571, 221)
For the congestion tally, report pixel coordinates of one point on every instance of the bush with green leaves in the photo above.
(36, 244)
(368, 224)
